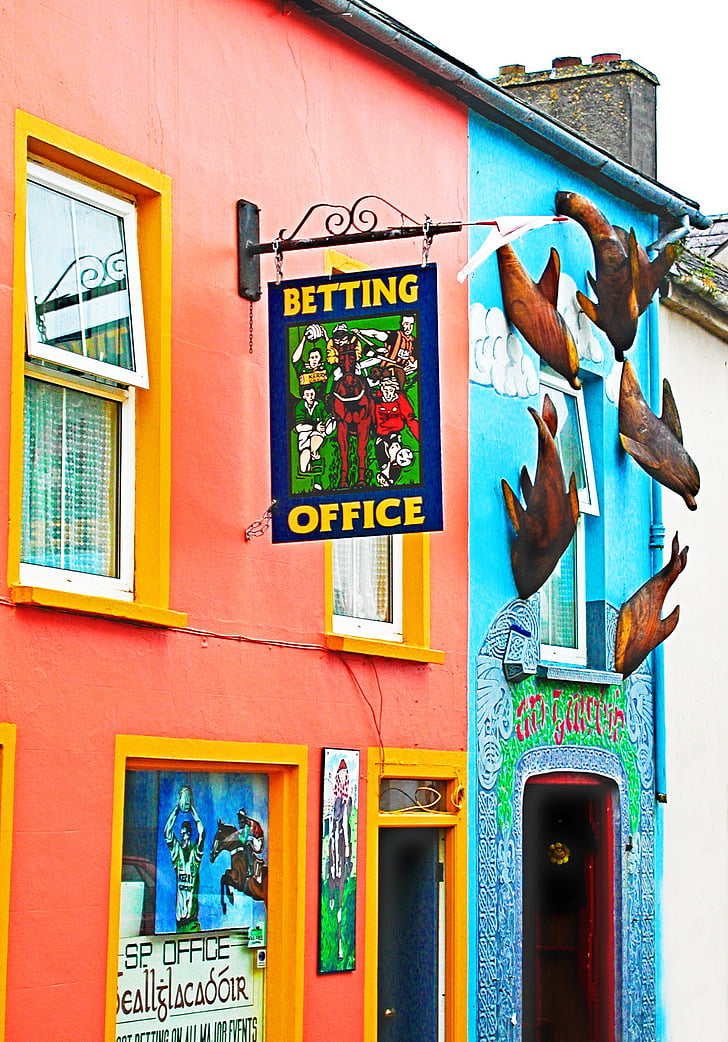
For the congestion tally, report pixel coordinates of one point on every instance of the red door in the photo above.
(568, 909)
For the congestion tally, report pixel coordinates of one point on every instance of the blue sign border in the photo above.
(370, 511)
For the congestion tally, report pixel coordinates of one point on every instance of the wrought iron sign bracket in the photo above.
(345, 226)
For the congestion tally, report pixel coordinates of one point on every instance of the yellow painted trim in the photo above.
(433, 764)
(152, 192)
(335, 261)
(415, 643)
(383, 648)
(7, 787)
(287, 767)
(90, 605)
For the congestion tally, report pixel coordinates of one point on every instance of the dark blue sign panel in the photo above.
(355, 405)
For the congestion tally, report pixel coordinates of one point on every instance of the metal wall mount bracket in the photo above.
(345, 226)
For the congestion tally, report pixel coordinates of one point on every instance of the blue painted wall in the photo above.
(510, 177)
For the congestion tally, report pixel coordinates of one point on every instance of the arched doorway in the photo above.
(569, 887)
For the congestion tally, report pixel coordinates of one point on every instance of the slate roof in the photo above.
(701, 269)
(710, 241)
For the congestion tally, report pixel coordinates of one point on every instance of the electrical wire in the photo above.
(241, 638)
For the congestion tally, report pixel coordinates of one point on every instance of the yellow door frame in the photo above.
(427, 765)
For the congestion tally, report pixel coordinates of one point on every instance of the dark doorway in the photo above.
(410, 875)
(568, 909)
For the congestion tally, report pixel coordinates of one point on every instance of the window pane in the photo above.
(79, 273)
(558, 603)
(70, 479)
(363, 578)
(568, 437)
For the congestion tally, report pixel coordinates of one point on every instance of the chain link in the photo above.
(278, 255)
(250, 329)
(426, 240)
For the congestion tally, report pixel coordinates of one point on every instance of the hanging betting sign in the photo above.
(355, 410)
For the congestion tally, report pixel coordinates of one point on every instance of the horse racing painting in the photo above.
(355, 422)
(200, 842)
(339, 840)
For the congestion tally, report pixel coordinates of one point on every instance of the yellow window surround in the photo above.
(41, 141)
(7, 781)
(415, 643)
(428, 765)
(286, 767)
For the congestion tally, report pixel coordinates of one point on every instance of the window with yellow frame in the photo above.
(416, 893)
(90, 408)
(7, 779)
(378, 588)
(208, 870)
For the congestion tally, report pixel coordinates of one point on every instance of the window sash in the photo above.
(572, 438)
(77, 528)
(367, 587)
(86, 312)
(563, 595)
(563, 605)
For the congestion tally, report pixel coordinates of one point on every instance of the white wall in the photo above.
(694, 900)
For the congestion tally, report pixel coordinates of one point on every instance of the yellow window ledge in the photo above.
(132, 611)
(385, 648)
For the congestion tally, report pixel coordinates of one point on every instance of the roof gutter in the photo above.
(388, 37)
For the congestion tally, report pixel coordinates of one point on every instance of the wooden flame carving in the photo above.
(546, 526)
(656, 443)
(626, 279)
(531, 308)
(639, 626)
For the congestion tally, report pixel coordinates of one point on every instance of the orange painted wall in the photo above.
(230, 98)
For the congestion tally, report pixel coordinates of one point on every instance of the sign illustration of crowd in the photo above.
(353, 404)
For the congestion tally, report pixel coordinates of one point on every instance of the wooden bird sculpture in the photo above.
(652, 272)
(546, 526)
(656, 443)
(531, 308)
(639, 626)
(617, 272)
(626, 279)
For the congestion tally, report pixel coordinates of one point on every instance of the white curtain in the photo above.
(70, 486)
(363, 578)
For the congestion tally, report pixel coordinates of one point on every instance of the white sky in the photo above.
(683, 44)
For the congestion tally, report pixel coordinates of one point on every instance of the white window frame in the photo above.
(84, 377)
(352, 626)
(588, 504)
(588, 501)
(126, 210)
(563, 653)
(119, 587)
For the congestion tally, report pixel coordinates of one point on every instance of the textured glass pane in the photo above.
(70, 479)
(78, 262)
(558, 603)
(362, 578)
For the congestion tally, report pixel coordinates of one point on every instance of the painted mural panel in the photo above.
(339, 845)
(193, 905)
(355, 427)
(537, 727)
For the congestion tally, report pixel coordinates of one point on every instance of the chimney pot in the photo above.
(565, 63)
(599, 59)
(512, 70)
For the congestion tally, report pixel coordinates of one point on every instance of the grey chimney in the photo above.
(610, 102)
